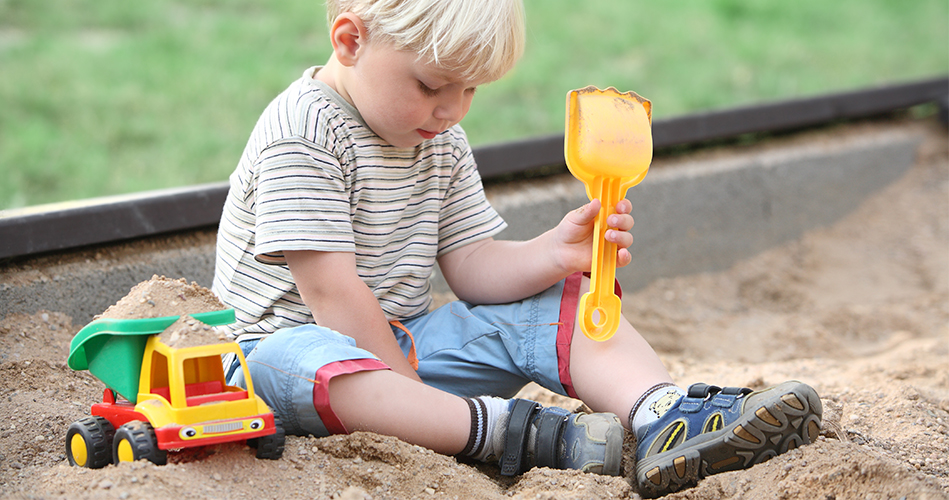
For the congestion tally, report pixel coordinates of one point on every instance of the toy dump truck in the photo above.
(162, 397)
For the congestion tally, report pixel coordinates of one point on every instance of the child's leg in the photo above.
(319, 382)
(611, 375)
(687, 435)
(519, 433)
(388, 403)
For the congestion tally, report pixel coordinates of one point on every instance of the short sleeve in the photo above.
(466, 216)
(302, 201)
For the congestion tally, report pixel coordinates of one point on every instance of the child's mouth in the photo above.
(426, 134)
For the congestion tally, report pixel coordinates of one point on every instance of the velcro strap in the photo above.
(727, 397)
(694, 400)
(550, 425)
(724, 400)
(701, 391)
(690, 405)
(515, 442)
(736, 391)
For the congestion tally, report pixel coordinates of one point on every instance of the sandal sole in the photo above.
(777, 425)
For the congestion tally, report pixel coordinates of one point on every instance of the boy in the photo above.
(355, 181)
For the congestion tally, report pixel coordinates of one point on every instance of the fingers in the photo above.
(586, 214)
(620, 223)
(622, 239)
(621, 219)
(623, 257)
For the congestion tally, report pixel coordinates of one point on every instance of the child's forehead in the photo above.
(441, 72)
(446, 73)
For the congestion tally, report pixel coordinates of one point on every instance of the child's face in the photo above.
(405, 101)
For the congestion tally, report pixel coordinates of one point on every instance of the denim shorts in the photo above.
(461, 349)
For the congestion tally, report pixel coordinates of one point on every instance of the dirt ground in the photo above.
(859, 310)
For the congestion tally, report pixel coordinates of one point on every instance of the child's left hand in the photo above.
(574, 235)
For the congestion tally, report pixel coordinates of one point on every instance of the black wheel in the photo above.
(136, 440)
(89, 442)
(270, 447)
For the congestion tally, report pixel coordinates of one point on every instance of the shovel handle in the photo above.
(599, 309)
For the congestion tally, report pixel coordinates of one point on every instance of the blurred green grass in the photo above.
(109, 97)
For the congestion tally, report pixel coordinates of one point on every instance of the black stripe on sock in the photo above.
(482, 439)
(479, 424)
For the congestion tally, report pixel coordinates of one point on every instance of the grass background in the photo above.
(111, 96)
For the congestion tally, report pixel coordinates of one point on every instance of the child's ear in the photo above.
(348, 35)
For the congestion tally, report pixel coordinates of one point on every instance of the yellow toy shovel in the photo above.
(608, 146)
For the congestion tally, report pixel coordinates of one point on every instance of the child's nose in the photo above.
(451, 109)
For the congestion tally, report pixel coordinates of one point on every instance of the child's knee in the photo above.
(291, 371)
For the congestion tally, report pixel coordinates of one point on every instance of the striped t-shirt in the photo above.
(313, 176)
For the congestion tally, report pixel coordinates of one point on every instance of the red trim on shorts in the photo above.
(321, 394)
(568, 317)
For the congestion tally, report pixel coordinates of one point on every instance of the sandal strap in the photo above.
(736, 391)
(696, 396)
(515, 442)
(699, 394)
(702, 391)
(550, 425)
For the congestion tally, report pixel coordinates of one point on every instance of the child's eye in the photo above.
(471, 90)
(428, 91)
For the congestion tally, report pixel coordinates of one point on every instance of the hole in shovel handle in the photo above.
(596, 320)
(597, 317)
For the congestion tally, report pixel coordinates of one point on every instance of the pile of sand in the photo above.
(160, 296)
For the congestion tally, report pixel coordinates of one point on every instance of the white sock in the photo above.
(653, 404)
(489, 418)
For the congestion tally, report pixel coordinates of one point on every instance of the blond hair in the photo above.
(480, 40)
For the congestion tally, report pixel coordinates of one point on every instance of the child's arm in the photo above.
(340, 300)
(497, 271)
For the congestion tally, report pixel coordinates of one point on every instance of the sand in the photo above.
(859, 310)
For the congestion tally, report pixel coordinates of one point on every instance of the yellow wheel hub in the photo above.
(77, 447)
(124, 452)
